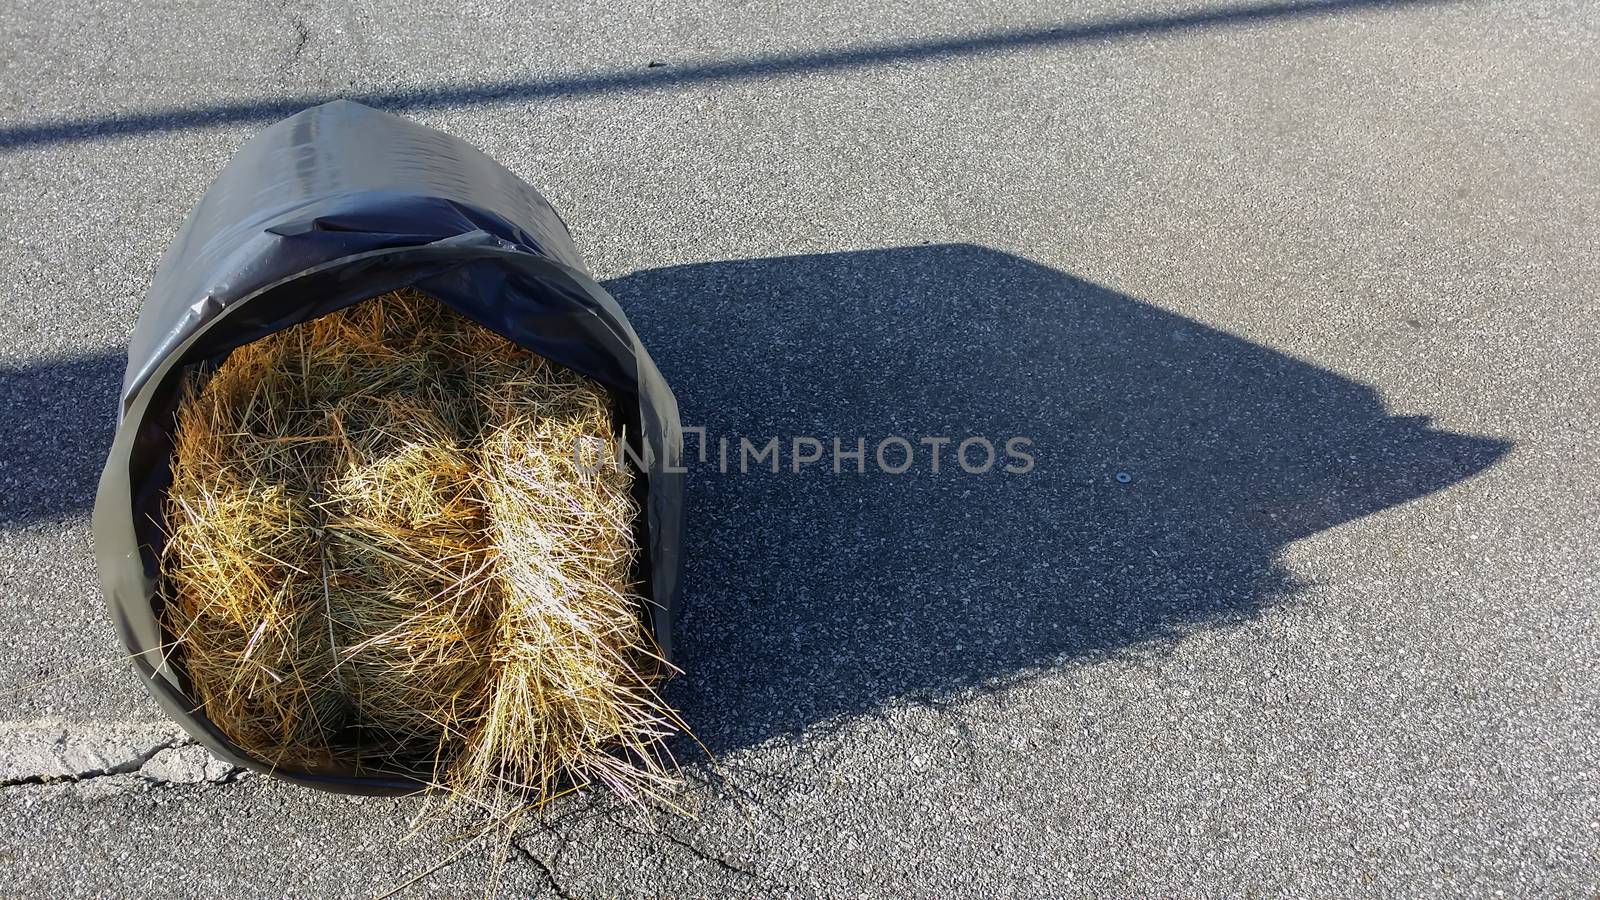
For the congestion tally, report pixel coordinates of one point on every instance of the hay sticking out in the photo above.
(383, 557)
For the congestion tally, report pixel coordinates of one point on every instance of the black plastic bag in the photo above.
(331, 206)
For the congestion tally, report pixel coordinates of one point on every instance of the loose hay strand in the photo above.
(383, 557)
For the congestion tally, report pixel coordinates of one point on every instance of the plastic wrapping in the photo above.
(331, 206)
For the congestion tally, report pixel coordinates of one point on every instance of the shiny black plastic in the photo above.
(331, 206)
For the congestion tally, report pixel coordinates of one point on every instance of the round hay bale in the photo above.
(384, 556)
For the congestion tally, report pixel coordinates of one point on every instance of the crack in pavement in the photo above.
(127, 767)
(52, 752)
(699, 852)
(302, 34)
(545, 868)
(708, 856)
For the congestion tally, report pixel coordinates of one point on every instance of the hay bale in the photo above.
(383, 557)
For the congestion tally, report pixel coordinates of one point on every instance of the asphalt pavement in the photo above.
(1296, 304)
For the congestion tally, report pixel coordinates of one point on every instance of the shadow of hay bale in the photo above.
(815, 596)
(57, 417)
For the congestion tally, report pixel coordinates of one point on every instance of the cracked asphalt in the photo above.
(1319, 278)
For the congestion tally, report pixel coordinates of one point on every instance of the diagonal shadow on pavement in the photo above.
(651, 77)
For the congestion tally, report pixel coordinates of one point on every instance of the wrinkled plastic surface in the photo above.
(334, 205)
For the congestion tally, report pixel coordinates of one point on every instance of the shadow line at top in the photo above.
(86, 128)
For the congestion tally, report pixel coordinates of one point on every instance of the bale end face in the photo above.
(385, 554)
